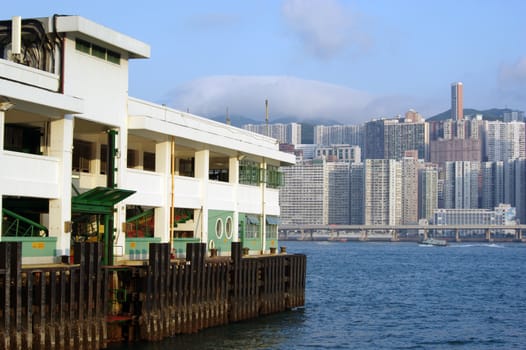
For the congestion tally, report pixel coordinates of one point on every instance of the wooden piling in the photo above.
(85, 305)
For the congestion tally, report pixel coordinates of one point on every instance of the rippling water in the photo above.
(390, 296)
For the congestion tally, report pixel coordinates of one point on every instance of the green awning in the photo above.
(272, 220)
(99, 200)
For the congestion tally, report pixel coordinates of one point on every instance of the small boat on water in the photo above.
(434, 241)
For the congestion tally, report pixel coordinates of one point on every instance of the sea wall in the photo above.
(85, 305)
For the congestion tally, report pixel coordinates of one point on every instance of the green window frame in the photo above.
(97, 51)
(274, 177)
(249, 173)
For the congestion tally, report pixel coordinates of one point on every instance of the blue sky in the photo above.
(341, 60)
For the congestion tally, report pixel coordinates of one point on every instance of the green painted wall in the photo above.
(33, 247)
(179, 245)
(251, 243)
(220, 230)
(139, 248)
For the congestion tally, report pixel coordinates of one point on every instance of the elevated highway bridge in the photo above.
(396, 232)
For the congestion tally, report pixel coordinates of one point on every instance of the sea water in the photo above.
(389, 296)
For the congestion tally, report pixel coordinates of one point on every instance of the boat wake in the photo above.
(488, 245)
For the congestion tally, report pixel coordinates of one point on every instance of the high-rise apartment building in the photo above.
(427, 191)
(391, 138)
(357, 194)
(461, 188)
(382, 192)
(456, 140)
(457, 103)
(409, 167)
(284, 133)
(505, 140)
(339, 153)
(339, 134)
(315, 192)
(492, 184)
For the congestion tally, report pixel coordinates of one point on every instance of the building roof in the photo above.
(78, 24)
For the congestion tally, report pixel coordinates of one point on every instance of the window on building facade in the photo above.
(82, 156)
(249, 173)
(148, 161)
(251, 227)
(97, 51)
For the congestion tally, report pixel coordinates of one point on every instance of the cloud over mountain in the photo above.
(288, 97)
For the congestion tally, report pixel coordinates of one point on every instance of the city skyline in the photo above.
(323, 59)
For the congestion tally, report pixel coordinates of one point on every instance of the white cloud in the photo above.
(515, 73)
(288, 97)
(326, 28)
(512, 83)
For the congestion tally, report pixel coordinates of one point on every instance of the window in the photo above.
(97, 51)
(148, 161)
(228, 228)
(249, 173)
(251, 226)
(271, 227)
(274, 177)
(132, 160)
(186, 167)
(103, 159)
(82, 155)
(83, 46)
(219, 228)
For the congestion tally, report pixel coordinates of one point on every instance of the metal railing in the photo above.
(15, 225)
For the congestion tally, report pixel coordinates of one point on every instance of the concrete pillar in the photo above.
(202, 160)
(163, 166)
(2, 123)
(119, 219)
(61, 147)
(233, 179)
(263, 186)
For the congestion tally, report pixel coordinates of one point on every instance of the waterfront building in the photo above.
(409, 167)
(515, 186)
(457, 101)
(83, 161)
(492, 184)
(505, 140)
(284, 133)
(427, 191)
(357, 194)
(504, 214)
(315, 192)
(382, 192)
(461, 185)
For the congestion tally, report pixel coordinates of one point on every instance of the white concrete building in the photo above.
(67, 122)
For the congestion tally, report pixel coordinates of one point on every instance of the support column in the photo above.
(2, 123)
(61, 147)
(117, 234)
(162, 214)
(202, 159)
(233, 179)
(263, 186)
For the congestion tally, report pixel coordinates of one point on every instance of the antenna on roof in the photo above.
(228, 121)
(16, 35)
